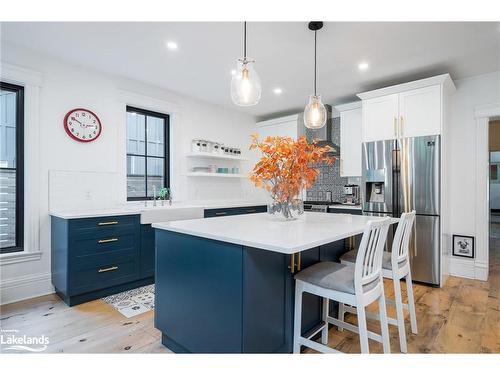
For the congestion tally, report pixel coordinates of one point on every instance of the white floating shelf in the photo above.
(207, 174)
(208, 155)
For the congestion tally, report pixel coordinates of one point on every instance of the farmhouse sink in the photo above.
(170, 213)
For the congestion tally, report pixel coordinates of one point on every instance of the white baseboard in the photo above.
(468, 269)
(481, 271)
(462, 268)
(24, 287)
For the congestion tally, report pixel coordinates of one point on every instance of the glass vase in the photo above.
(287, 210)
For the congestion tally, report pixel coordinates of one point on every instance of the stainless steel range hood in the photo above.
(323, 135)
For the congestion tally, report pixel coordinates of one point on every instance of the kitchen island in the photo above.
(226, 284)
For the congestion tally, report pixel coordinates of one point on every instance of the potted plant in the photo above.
(285, 168)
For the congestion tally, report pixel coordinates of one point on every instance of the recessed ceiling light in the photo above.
(363, 66)
(172, 45)
(277, 90)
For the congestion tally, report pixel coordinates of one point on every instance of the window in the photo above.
(147, 153)
(11, 167)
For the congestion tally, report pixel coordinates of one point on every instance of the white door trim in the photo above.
(482, 115)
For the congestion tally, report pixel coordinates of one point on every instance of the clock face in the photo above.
(82, 125)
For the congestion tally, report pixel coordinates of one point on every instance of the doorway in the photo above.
(494, 189)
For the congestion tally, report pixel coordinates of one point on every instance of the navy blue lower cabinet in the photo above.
(216, 212)
(95, 257)
(247, 296)
(198, 299)
(147, 251)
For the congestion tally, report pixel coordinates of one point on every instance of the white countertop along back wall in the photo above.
(67, 86)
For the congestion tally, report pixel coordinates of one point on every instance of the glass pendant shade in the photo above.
(245, 84)
(315, 113)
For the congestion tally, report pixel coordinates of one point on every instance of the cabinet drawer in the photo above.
(253, 209)
(103, 222)
(215, 212)
(103, 244)
(97, 273)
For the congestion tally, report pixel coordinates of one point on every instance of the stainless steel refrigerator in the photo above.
(403, 175)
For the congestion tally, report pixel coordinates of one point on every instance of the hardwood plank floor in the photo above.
(461, 317)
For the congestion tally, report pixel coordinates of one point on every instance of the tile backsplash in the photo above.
(329, 175)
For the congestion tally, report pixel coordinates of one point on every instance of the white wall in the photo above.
(471, 93)
(65, 87)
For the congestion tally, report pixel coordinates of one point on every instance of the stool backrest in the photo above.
(369, 258)
(401, 241)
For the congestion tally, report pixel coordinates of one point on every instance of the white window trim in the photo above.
(32, 82)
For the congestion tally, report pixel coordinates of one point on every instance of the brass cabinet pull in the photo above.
(401, 125)
(396, 127)
(221, 213)
(108, 240)
(114, 268)
(108, 223)
(295, 265)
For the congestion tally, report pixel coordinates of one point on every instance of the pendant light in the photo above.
(245, 84)
(315, 112)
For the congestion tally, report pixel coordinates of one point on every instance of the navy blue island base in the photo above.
(219, 297)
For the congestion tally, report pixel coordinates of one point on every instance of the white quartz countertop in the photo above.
(138, 208)
(260, 231)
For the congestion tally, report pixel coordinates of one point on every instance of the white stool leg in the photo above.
(411, 304)
(363, 331)
(384, 325)
(400, 314)
(340, 315)
(324, 331)
(297, 318)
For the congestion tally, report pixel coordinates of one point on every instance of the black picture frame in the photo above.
(457, 254)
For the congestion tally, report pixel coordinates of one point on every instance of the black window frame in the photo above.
(166, 155)
(19, 90)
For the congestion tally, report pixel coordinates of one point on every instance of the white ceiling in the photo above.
(397, 52)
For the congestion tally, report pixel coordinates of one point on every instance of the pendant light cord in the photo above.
(244, 40)
(315, 63)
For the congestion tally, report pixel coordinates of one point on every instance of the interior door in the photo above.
(420, 112)
(379, 117)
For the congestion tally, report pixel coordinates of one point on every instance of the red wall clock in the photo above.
(82, 125)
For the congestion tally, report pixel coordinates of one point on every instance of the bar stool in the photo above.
(395, 266)
(356, 287)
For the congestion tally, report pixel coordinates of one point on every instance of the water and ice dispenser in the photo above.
(375, 185)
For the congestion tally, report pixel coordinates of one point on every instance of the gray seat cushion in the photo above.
(350, 257)
(330, 275)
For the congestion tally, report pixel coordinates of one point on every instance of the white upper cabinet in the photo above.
(411, 109)
(283, 126)
(380, 116)
(350, 139)
(420, 112)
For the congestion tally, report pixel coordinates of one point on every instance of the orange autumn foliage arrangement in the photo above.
(287, 166)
